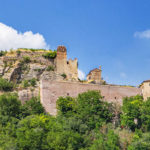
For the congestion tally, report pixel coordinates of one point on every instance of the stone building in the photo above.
(145, 87)
(95, 75)
(64, 66)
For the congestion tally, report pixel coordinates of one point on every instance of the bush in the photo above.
(50, 54)
(93, 110)
(3, 53)
(33, 81)
(132, 111)
(9, 107)
(32, 107)
(64, 75)
(26, 59)
(18, 52)
(6, 85)
(26, 83)
(50, 68)
(66, 105)
(145, 115)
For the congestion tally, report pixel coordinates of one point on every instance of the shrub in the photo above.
(32, 107)
(26, 59)
(9, 107)
(64, 75)
(2, 53)
(50, 54)
(6, 85)
(26, 83)
(50, 68)
(33, 82)
(132, 111)
(18, 52)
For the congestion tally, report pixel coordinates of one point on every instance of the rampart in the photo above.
(51, 90)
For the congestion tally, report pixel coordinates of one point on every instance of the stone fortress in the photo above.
(50, 90)
(58, 76)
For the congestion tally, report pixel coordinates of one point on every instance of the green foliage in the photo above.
(141, 143)
(32, 107)
(50, 54)
(50, 68)
(107, 141)
(33, 82)
(9, 107)
(6, 85)
(64, 75)
(3, 53)
(82, 123)
(88, 107)
(32, 131)
(18, 52)
(92, 110)
(145, 115)
(131, 112)
(26, 59)
(66, 105)
(27, 83)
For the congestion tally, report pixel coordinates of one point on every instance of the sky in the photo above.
(112, 33)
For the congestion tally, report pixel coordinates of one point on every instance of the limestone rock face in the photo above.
(27, 67)
(34, 71)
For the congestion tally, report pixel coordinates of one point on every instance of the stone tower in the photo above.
(61, 59)
(69, 67)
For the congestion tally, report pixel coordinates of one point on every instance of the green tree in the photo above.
(6, 85)
(141, 143)
(32, 132)
(92, 110)
(131, 112)
(66, 105)
(145, 115)
(107, 141)
(10, 107)
(32, 107)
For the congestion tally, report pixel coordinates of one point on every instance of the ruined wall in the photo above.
(145, 89)
(70, 67)
(94, 75)
(51, 90)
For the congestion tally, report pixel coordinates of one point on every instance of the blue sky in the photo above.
(112, 33)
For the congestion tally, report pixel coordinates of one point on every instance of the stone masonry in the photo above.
(51, 90)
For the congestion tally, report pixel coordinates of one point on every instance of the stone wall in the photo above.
(51, 90)
(145, 87)
(70, 67)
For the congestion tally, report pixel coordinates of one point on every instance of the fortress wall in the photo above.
(51, 90)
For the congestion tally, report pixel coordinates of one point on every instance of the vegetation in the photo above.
(50, 68)
(3, 53)
(82, 123)
(28, 83)
(6, 85)
(50, 54)
(26, 59)
(64, 75)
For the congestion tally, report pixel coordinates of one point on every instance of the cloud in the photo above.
(143, 34)
(123, 75)
(81, 74)
(11, 38)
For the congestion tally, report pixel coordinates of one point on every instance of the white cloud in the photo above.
(81, 74)
(123, 75)
(143, 34)
(11, 38)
